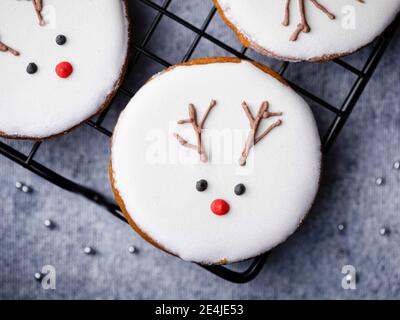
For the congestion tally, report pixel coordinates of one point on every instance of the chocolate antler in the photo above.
(198, 127)
(38, 5)
(303, 26)
(5, 48)
(253, 139)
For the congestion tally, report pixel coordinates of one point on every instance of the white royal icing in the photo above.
(281, 175)
(356, 25)
(42, 104)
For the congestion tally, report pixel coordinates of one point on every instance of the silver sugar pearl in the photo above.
(132, 249)
(383, 231)
(18, 185)
(48, 223)
(38, 276)
(379, 181)
(88, 250)
(349, 277)
(341, 227)
(396, 165)
(25, 189)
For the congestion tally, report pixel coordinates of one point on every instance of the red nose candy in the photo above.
(64, 69)
(219, 207)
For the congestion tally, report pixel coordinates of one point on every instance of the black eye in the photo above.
(201, 185)
(32, 68)
(61, 39)
(240, 189)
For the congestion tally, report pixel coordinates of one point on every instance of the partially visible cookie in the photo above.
(60, 63)
(307, 30)
(216, 161)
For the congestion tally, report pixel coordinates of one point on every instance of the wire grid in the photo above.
(341, 113)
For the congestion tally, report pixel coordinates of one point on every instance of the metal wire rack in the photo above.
(340, 113)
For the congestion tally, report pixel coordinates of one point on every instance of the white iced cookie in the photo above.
(60, 63)
(313, 30)
(216, 161)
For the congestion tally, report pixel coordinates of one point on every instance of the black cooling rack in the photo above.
(340, 113)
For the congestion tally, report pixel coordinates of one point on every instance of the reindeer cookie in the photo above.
(312, 30)
(216, 160)
(60, 63)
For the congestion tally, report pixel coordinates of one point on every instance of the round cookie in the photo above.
(61, 62)
(307, 30)
(188, 174)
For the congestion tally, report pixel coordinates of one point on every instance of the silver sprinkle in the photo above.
(38, 276)
(396, 165)
(341, 227)
(383, 231)
(379, 181)
(18, 185)
(25, 189)
(88, 250)
(48, 223)
(132, 249)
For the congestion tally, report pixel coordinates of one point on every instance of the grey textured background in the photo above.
(307, 266)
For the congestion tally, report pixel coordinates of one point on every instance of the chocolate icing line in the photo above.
(198, 128)
(253, 139)
(5, 48)
(38, 6)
